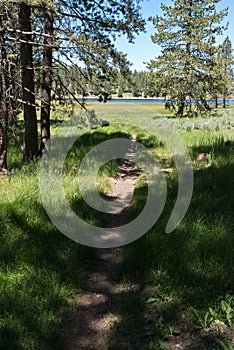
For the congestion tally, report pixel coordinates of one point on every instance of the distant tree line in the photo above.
(90, 82)
(85, 82)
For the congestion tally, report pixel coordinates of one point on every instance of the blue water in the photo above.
(146, 100)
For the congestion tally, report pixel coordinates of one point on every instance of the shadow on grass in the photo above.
(83, 145)
(40, 269)
(220, 148)
(175, 278)
(167, 276)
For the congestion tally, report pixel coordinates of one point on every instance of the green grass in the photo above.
(40, 269)
(188, 275)
(177, 281)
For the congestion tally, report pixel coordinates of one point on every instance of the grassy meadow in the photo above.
(178, 284)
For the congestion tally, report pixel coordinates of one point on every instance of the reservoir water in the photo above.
(146, 100)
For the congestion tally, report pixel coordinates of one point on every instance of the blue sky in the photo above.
(143, 49)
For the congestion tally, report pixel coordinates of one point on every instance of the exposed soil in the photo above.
(97, 310)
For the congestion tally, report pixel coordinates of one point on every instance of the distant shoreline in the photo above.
(120, 98)
(154, 100)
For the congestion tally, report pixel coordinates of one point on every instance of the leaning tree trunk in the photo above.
(46, 81)
(3, 101)
(26, 55)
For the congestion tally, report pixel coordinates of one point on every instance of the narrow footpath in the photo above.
(97, 311)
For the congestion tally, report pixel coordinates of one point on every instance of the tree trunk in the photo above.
(216, 102)
(46, 81)
(3, 101)
(224, 101)
(180, 111)
(26, 55)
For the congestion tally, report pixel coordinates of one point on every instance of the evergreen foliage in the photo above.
(227, 61)
(187, 32)
(42, 36)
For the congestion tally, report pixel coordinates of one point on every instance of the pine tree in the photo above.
(186, 31)
(226, 61)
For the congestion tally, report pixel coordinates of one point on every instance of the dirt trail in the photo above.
(98, 309)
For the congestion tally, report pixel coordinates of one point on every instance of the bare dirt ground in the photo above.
(97, 310)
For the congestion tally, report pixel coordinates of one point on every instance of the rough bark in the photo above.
(29, 107)
(46, 81)
(3, 102)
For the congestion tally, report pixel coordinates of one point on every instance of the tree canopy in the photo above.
(41, 36)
